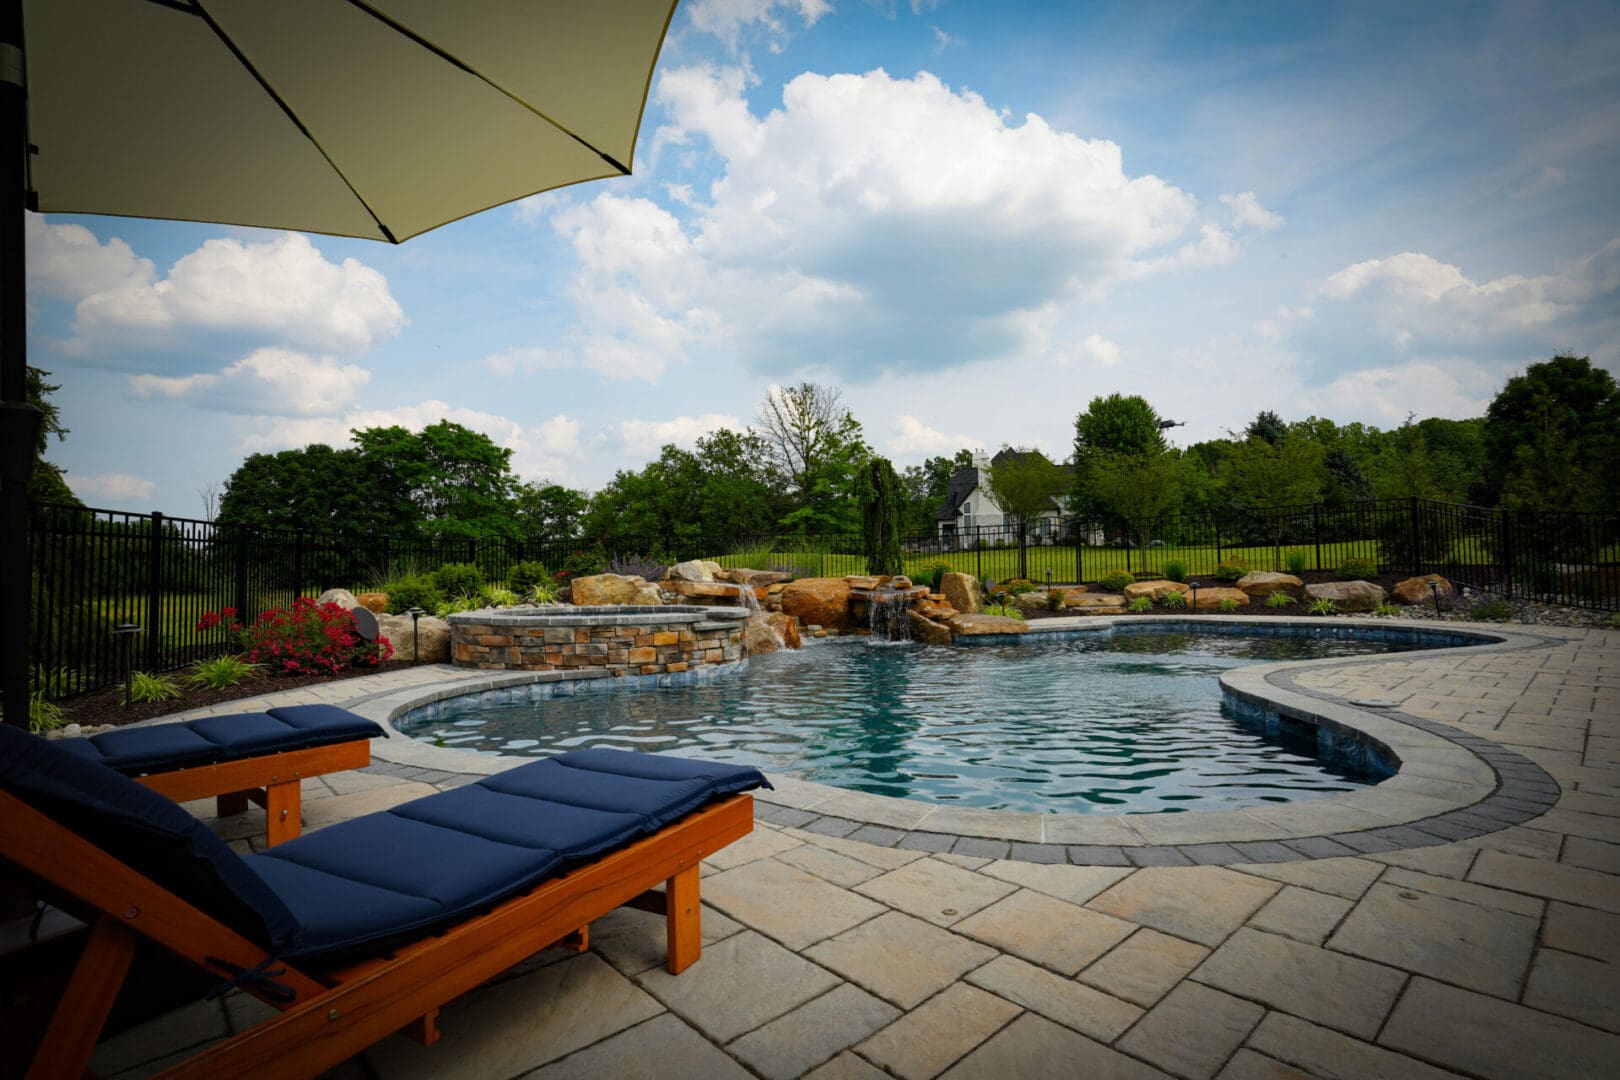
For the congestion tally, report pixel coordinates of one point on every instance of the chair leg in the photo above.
(283, 810)
(232, 802)
(683, 920)
(77, 1023)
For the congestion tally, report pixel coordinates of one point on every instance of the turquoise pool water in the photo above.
(1112, 723)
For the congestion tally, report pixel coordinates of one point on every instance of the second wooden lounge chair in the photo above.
(369, 926)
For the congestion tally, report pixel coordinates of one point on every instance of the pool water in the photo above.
(1127, 722)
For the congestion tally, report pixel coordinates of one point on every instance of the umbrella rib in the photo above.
(449, 58)
(292, 116)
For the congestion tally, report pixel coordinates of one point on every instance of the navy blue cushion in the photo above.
(145, 831)
(575, 832)
(554, 781)
(335, 914)
(161, 747)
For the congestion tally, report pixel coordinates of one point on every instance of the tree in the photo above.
(548, 512)
(1140, 488)
(926, 486)
(1402, 470)
(817, 446)
(1572, 410)
(1025, 485)
(1258, 474)
(315, 488)
(881, 500)
(452, 480)
(45, 482)
(1116, 424)
(1268, 427)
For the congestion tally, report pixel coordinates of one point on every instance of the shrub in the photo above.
(1228, 605)
(1174, 599)
(585, 562)
(1493, 610)
(304, 638)
(461, 603)
(497, 597)
(1175, 570)
(934, 574)
(1116, 581)
(1295, 561)
(524, 576)
(1356, 568)
(1140, 604)
(1003, 609)
(1386, 608)
(221, 672)
(1055, 600)
(1231, 569)
(144, 687)
(417, 590)
(1018, 586)
(1279, 599)
(648, 567)
(459, 579)
(1324, 606)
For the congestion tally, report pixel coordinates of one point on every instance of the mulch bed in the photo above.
(107, 706)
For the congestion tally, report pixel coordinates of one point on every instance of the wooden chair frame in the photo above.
(273, 781)
(336, 1014)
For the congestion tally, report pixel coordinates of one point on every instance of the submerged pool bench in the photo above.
(368, 926)
(263, 757)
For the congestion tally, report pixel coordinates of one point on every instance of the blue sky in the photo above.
(972, 218)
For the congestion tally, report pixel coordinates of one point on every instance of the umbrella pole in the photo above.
(19, 421)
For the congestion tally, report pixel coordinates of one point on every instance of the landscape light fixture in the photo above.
(125, 632)
(1193, 585)
(1049, 577)
(416, 643)
(1434, 589)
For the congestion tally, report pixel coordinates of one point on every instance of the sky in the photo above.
(972, 218)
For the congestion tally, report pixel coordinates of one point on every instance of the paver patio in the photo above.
(1493, 955)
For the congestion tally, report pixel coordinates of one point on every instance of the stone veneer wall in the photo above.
(628, 640)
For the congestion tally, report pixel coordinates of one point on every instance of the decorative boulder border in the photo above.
(431, 645)
(343, 598)
(756, 578)
(928, 631)
(692, 570)
(1095, 604)
(821, 601)
(964, 592)
(1153, 590)
(1347, 595)
(1262, 583)
(611, 590)
(1415, 590)
(1211, 598)
(978, 625)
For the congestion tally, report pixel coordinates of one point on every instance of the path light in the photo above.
(416, 642)
(1049, 578)
(125, 632)
(1193, 585)
(1434, 588)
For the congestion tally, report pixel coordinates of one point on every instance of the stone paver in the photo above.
(845, 950)
(900, 958)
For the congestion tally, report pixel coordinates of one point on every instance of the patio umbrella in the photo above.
(379, 119)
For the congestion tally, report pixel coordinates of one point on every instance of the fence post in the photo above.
(1215, 522)
(154, 589)
(242, 611)
(1316, 531)
(472, 550)
(298, 563)
(1417, 554)
(1079, 568)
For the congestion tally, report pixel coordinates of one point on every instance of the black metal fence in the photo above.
(93, 570)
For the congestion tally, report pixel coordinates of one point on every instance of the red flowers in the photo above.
(304, 639)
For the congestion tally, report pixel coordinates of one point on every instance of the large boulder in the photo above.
(820, 602)
(691, 570)
(1347, 595)
(1263, 583)
(964, 592)
(757, 578)
(430, 645)
(375, 602)
(1032, 601)
(1211, 598)
(786, 627)
(343, 598)
(1094, 604)
(928, 631)
(976, 625)
(1415, 590)
(1153, 590)
(612, 589)
(760, 637)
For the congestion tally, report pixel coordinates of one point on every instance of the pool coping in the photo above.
(1450, 784)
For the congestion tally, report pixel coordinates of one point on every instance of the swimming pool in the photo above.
(1124, 722)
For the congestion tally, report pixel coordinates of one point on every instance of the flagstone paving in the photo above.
(1486, 946)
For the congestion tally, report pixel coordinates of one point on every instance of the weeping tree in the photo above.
(882, 504)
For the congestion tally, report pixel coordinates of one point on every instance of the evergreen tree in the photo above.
(881, 504)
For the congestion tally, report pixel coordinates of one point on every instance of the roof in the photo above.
(965, 480)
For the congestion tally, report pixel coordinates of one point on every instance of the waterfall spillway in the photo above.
(888, 614)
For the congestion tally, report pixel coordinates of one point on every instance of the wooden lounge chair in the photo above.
(366, 927)
(262, 757)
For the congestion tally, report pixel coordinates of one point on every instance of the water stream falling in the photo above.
(887, 614)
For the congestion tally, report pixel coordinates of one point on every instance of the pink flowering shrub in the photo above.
(305, 638)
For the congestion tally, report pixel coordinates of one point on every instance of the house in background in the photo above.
(970, 514)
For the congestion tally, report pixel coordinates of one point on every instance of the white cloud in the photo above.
(282, 290)
(67, 261)
(1386, 395)
(1550, 178)
(276, 381)
(728, 19)
(110, 486)
(527, 361)
(1247, 213)
(1100, 350)
(870, 225)
(942, 40)
(641, 439)
(914, 439)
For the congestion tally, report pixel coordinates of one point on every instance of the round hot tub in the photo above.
(629, 639)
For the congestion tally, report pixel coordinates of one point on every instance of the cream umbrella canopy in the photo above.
(379, 119)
